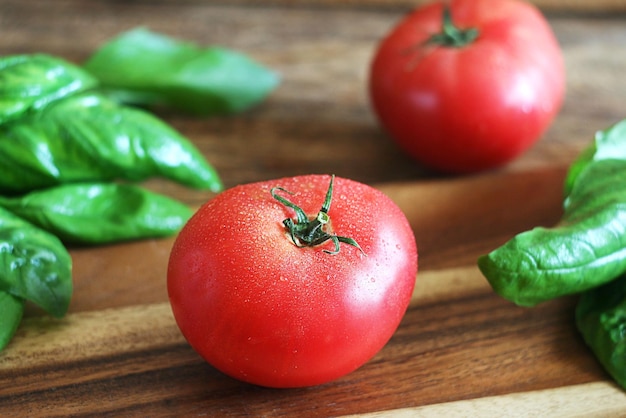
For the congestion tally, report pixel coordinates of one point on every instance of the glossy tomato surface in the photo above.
(265, 311)
(468, 108)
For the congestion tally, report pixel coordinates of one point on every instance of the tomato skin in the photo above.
(476, 107)
(265, 311)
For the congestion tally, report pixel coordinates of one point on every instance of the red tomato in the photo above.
(476, 105)
(266, 311)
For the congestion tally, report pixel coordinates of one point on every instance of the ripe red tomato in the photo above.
(264, 310)
(475, 105)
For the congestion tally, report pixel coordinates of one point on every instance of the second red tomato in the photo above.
(469, 87)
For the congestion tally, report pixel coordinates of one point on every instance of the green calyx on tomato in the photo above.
(450, 35)
(309, 232)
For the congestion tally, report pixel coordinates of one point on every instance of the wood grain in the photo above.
(591, 400)
(460, 350)
(457, 333)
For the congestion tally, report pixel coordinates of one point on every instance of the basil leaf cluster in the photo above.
(585, 253)
(72, 150)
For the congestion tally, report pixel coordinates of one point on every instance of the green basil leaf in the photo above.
(100, 213)
(607, 144)
(34, 265)
(30, 82)
(91, 138)
(601, 320)
(587, 248)
(147, 68)
(11, 311)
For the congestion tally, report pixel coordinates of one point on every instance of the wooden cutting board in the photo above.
(461, 350)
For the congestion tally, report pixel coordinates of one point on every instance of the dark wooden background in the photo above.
(460, 349)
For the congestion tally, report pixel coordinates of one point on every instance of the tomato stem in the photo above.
(309, 232)
(452, 36)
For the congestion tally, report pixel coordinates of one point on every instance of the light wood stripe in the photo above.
(600, 399)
